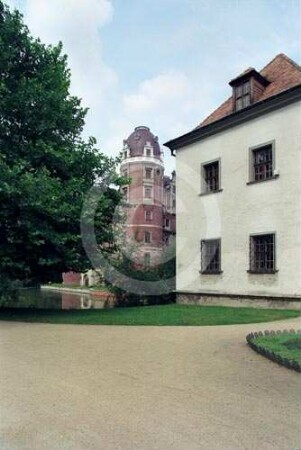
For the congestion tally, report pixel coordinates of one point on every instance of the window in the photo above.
(148, 173)
(211, 256)
(262, 253)
(148, 192)
(148, 152)
(167, 223)
(125, 173)
(173, 203)
(147, 259)
(125, 155)
(211, 177)
(147, 237)
(262, 163)
(242, 95)
(148, 215)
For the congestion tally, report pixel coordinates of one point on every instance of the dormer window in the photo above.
(247, 88)
(242, 95)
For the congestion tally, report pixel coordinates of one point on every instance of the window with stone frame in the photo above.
(211, 256)
(211, 177)
(148, 152)
(242, 95)
(148, 215)
(148, 173)
(263, 253)
(147, 237)
(148, 192)
(262, 160)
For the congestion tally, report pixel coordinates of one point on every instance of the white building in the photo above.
(239, 194)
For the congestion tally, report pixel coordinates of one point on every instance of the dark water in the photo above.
(44, 299)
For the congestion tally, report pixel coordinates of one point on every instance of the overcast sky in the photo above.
(161, 63)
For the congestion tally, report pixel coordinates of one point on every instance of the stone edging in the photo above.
(65, 289)
(251, 340)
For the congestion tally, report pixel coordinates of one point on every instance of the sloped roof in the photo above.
(282, 73)
(138, 139)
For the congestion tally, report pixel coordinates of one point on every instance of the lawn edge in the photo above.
(275, 357)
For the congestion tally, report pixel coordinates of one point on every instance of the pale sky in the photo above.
(161, 63)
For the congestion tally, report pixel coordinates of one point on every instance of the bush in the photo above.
(125, 296)
(9, 290)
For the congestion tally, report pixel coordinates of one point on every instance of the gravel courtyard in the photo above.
(143, 388)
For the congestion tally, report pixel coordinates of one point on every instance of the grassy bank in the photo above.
(171, 315)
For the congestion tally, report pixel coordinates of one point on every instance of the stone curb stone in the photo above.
(251, 340)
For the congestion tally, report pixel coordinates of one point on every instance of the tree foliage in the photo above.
(46, 168)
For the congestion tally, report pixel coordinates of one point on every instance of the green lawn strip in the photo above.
(285, 345)
(170, 315)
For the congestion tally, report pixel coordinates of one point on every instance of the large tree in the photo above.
(46, 168)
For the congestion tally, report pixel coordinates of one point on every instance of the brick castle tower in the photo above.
(150, 195)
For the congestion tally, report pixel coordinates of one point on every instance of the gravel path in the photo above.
(143, 388)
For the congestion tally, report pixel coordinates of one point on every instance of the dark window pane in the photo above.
(211, 175)
(262, 253)
(211, 258)
(246, 88)
(238, 91)
(263, 163)
(238, 104)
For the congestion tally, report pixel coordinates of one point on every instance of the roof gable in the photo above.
(282, 74)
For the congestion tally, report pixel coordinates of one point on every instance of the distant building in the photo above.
(239, 174)
(151, 200)
(150, 195)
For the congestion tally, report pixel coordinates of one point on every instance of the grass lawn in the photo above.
(171, 315)
(286, 345)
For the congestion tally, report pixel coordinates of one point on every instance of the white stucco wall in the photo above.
(241, 209)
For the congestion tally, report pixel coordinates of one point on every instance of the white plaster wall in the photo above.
(241, 209)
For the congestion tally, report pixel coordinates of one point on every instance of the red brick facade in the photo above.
(150, 196)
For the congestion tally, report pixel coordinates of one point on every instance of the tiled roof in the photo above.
(282, 73)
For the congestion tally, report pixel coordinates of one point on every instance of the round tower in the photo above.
(142, 163)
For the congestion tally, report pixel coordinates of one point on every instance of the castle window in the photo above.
(167, 223)
(211, 177)
(262, 253)
(147, 237)
(148, 192)
(242, 95)
(148, 152)
(148, 173)
(211, 256)
(262, 163)
(125, 155)
(148, 215)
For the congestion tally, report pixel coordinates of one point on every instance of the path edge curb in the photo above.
(251, 340)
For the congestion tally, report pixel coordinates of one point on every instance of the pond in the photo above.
(47, 299)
